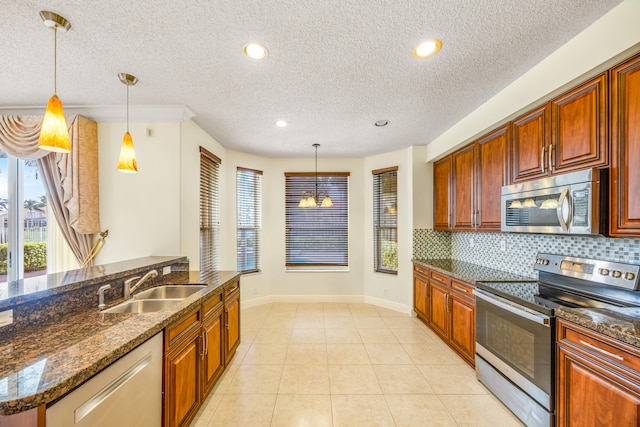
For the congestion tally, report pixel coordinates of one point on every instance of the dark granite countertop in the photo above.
(468, 272)
(43, 364)
(622, 323)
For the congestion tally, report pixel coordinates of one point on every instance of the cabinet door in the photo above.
(232, 323)
(529, 142)
(213, 363)
(463, 326)
(579, 127)
(625, 149)
(491, 171)
(420, 286)
(442, 194)
(589, 395)
(181, 388)
(438, 314)
(463, 188)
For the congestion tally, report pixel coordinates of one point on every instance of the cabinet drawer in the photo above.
(440, 278)
(463, 288)
(211, 305)
(231, 289)
(182, 328)
(421, 270)
(599, 346)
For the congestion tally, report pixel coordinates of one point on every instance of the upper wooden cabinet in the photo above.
(442, 194)
(463, 185)
(579, 128)
(569, 133)
(625, 149)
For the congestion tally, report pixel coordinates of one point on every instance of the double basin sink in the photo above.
(155, 299)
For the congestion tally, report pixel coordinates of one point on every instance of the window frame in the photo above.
(380, 225)
(241, 227)
(209, 210)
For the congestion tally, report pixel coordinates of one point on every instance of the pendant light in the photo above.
(127, 161)
(310, 199)
(54, 135)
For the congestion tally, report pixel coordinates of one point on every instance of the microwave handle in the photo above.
(559, 210)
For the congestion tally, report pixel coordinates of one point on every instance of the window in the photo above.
(249, 219)
(385, 220)
(23, 220)
(317, 237)
(209, 210)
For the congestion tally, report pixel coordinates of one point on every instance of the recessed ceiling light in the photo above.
(255, 51)
(427, 48)
(381, 123)
(281, 123)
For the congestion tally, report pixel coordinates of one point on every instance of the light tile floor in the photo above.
(330, 364)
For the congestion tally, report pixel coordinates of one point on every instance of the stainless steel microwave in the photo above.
(571, 203)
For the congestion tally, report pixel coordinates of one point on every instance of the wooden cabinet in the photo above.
(463, 188)
(197, 348)
(442, 194)
(625, 149)
(232, 321)
(567, 134)
(448, 307)
(491, 174)
(598, 379)
(420, 290)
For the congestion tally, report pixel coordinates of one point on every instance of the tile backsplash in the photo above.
(520, 249)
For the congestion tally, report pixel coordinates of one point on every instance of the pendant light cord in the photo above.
(55, 55)
(127, 108)
(316, 195)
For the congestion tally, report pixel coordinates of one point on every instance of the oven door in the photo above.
(518, 342)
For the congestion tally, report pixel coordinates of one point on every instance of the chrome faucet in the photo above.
(128, 288)
(101, 290)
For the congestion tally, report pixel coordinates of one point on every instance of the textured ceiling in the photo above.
(334, 66)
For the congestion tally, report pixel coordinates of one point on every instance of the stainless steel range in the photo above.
(515, 326)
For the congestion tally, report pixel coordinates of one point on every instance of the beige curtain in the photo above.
(71, 180)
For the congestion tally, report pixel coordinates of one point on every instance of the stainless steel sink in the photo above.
(142, 306)
(169, 292)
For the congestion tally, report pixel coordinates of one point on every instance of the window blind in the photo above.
(209, 210)
(385, 220)
(249, 219)
(317, 237)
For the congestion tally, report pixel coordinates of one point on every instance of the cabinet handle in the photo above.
(550, 157)
(605, 352)
(203, 344)
(542, 158)
(446, 302)
(230, 291)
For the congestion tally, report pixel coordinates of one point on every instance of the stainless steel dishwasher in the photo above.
(126, 394)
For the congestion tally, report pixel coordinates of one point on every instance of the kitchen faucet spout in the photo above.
(128, 287)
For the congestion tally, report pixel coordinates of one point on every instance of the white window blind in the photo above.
(249, 219)
(317, 236)
(385, 220)
(209, 210)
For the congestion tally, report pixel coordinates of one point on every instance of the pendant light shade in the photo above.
(54, 135)
(127, 160)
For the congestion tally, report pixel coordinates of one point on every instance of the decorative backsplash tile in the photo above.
(520, 249)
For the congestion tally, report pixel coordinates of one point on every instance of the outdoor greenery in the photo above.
(390, 255)
(35, 256)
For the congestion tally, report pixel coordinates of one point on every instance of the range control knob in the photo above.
(616, 274)
(545, 261)
(629, 275)
(604, 271)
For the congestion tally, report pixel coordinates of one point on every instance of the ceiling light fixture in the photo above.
(427, 48)
(281, 123)
(381, 123)
(127, 161)
(255, 51)
(54, 135)
(310, 199)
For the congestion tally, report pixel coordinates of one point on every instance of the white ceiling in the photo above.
(334, 66)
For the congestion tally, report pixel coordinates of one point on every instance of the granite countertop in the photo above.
(470, 273)
(622, 323)
(42, 365)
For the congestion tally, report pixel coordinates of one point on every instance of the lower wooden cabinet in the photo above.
(197, 349)
(448, 307)
(598, 379)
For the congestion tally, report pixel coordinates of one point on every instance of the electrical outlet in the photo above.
(6, 317)
(166, 270)
(471, 242)
(503, 246)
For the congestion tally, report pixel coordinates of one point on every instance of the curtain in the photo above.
(71, 180)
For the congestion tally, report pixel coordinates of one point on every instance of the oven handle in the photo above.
(513, 308)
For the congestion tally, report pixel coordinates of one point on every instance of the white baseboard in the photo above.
(402, 308)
